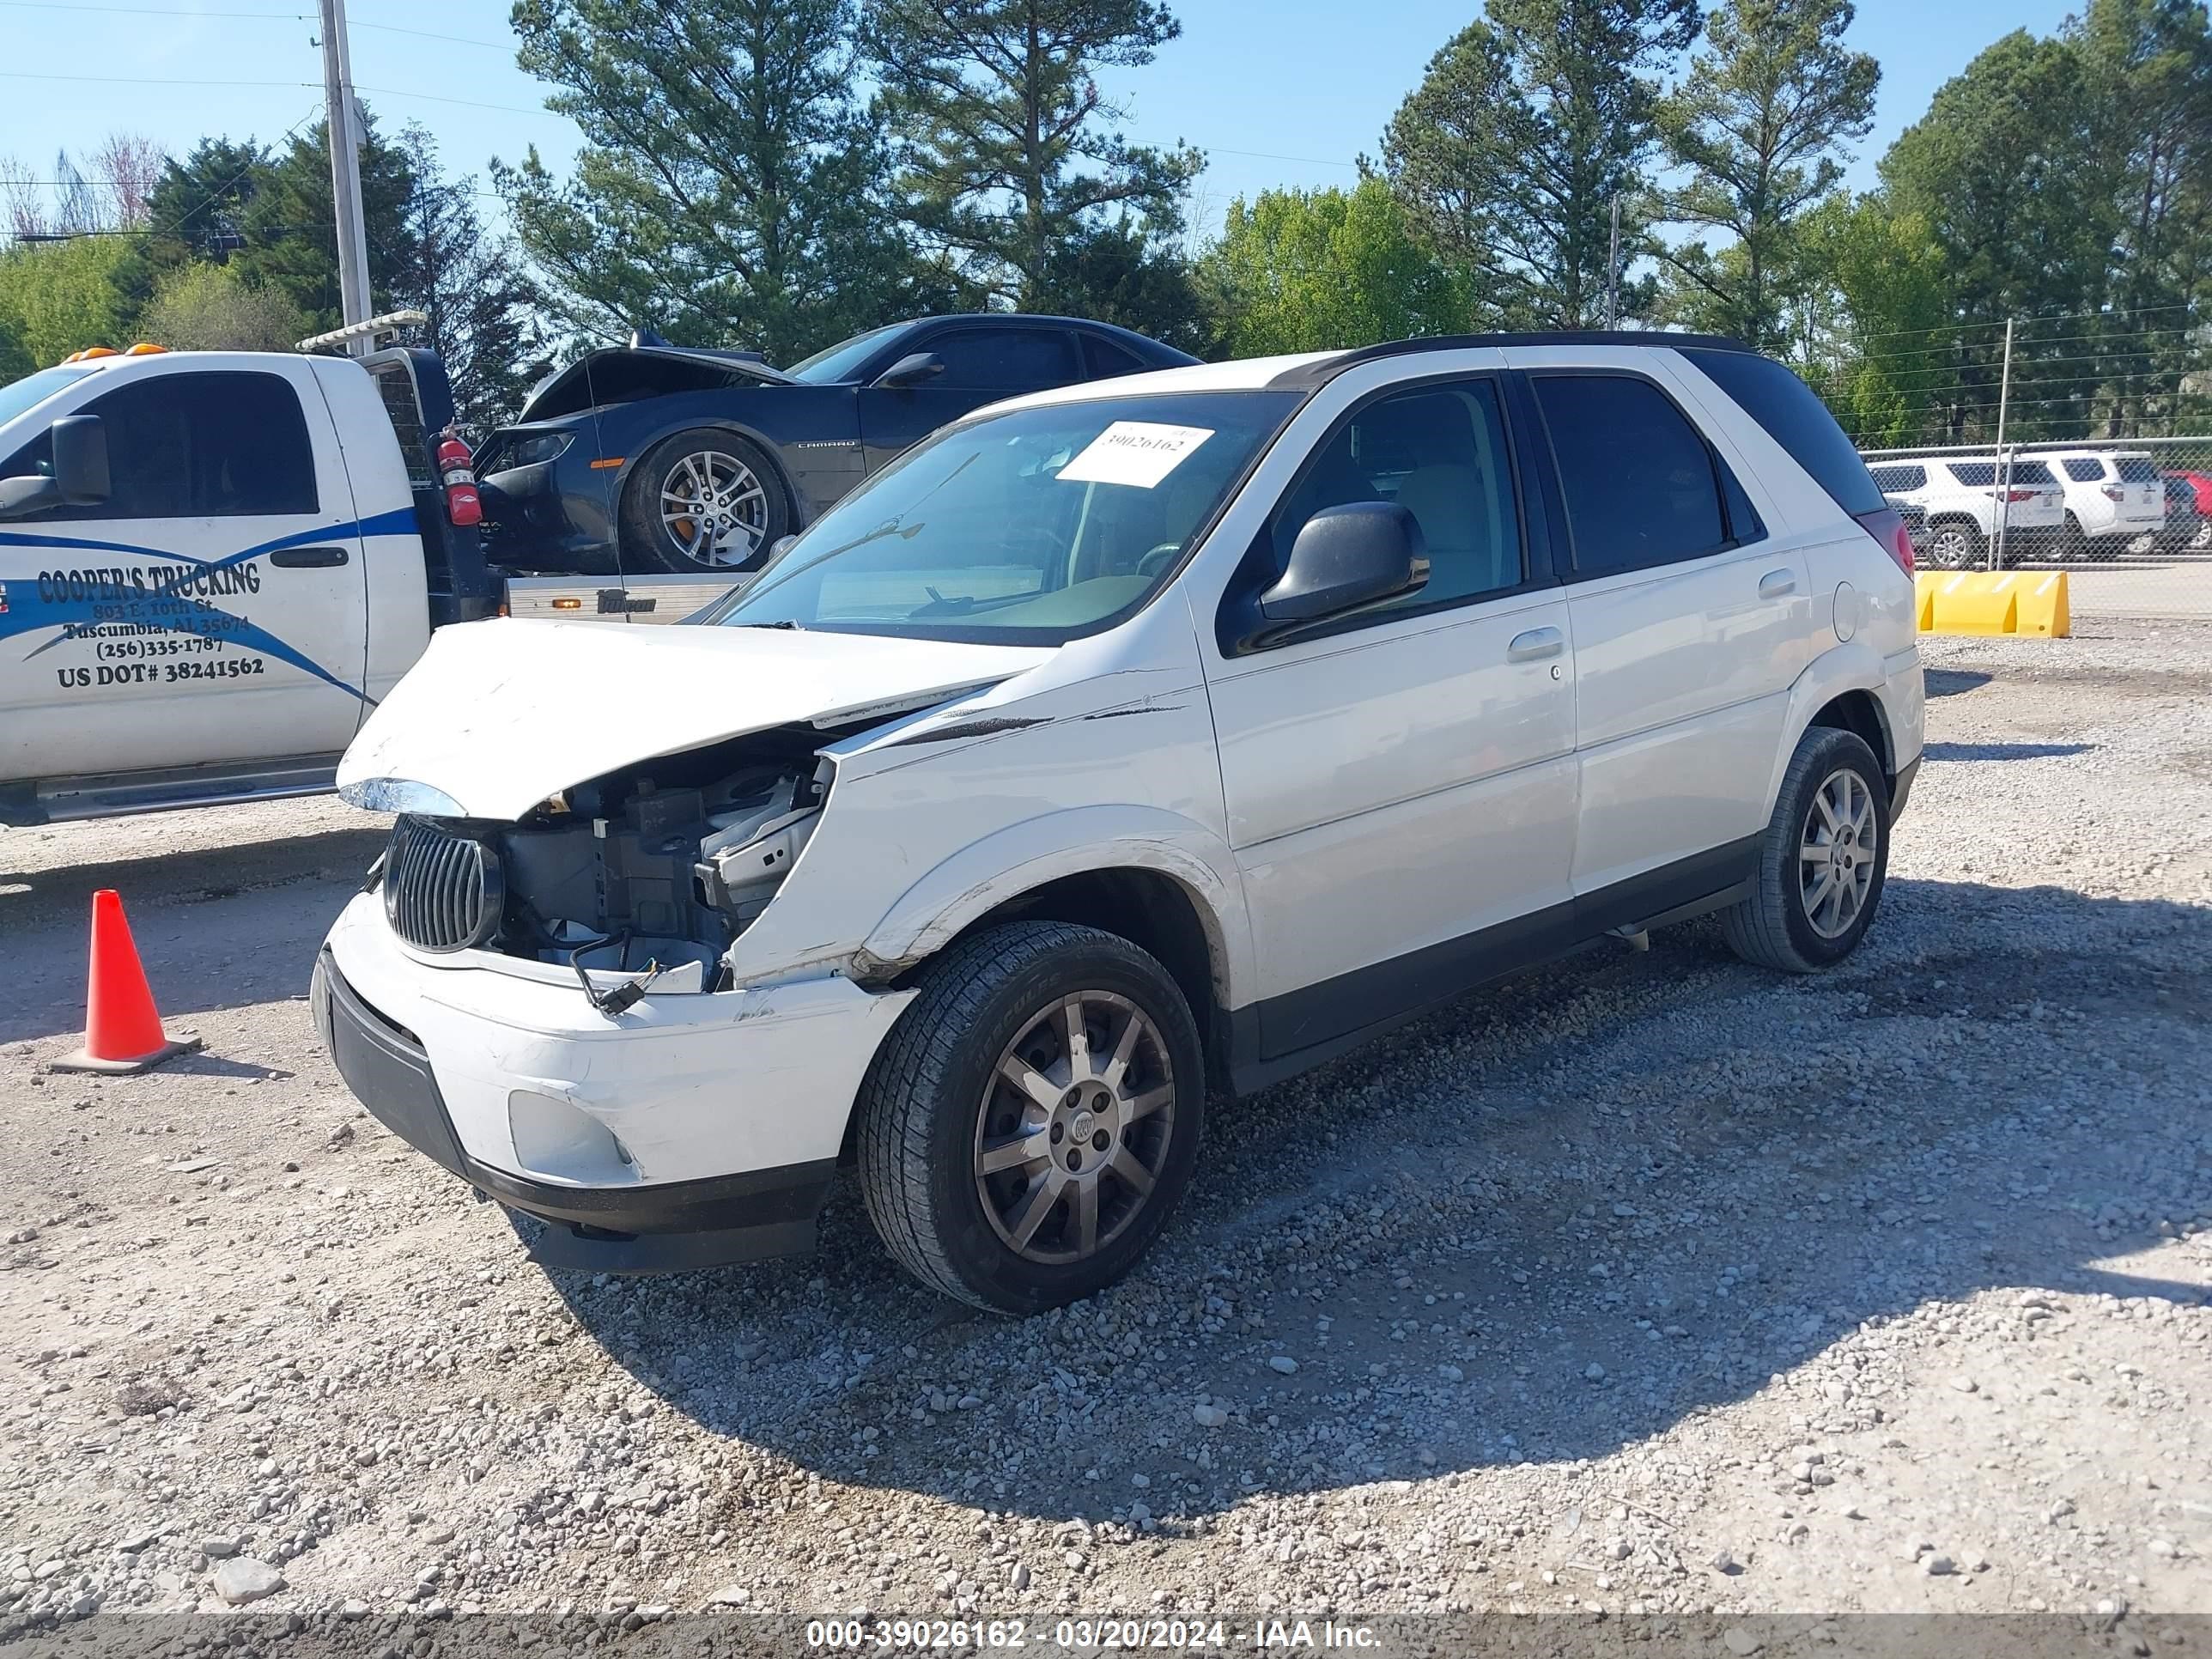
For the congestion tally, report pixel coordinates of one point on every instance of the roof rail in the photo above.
(1316, 374)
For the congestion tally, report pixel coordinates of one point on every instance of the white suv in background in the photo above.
(2112, 496)
(1960, 498)
(1114, 752)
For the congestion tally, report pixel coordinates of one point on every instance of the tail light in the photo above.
(2018, 494)
(2115, 493)
(456, 470)
(1887, 527)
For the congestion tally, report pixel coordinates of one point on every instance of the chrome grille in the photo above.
(442, 891)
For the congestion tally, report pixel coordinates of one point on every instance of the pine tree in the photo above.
(1009, 151)
(1528, 127)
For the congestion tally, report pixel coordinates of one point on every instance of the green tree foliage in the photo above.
(2006, 171)
(1119, 272)
(60, 297)
(197, 207)
(1759, 127)
(486, 316)
(15, 359)
(290, 227)
(1008, 148)
(1528, 125)
(1311, 270)
(209, 307)
(1891, 324)
(731, 190)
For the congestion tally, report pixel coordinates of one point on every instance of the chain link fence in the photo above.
(2129, 518)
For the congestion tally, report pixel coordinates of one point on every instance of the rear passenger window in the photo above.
(1643, 487)
(1795, 418)
(196, 446)
(2083, 469)
(1102, 359)
(1438, 452)
(1887, 478)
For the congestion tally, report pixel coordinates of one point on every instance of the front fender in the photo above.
(1082, 840)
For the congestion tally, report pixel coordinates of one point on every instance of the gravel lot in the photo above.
(1645, 1283)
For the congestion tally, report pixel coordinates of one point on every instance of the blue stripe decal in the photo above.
(74, 618)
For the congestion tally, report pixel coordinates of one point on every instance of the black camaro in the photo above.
(652, 457)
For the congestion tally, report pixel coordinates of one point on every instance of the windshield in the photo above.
(827, 367)
(34, 389)
(1028, 528)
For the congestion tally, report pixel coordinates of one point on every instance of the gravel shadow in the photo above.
(1559, 1217)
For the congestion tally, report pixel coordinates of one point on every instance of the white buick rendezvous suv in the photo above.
(1120, 750)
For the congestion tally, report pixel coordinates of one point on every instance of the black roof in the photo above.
(1312, 374)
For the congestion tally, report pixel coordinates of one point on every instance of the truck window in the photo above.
(221, 445)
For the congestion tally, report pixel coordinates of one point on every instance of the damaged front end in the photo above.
(653, 871)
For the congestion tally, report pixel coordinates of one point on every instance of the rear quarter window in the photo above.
(1899, 477)
(1790, 414)
(2137, 469)
(1976, 473)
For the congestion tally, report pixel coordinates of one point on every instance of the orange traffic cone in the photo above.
(122, 1031)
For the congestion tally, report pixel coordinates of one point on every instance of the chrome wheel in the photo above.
(1952, 548)
(1074, 1129)
(1836, 854)
(712, 507)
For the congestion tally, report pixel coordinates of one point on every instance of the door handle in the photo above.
(1777, 583)
(1535, 645)
(307, 558)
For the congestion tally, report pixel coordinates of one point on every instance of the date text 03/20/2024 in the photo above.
(1089, 1635)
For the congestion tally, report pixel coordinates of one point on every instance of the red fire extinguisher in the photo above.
(455, 471)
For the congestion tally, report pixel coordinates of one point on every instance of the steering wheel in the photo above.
(1159, 559)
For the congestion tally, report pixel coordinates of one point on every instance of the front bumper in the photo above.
(698, 1130)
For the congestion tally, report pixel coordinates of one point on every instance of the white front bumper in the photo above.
(693, 1085)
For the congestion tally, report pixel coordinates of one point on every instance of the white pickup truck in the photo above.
(213, 565)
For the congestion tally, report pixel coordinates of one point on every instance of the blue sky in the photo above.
(1278, 92)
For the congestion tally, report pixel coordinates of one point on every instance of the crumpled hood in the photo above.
(498, 715)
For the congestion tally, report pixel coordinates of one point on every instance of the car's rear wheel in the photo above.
(705, 501)
(2073, 542)
(1032, 1119)
(1822, 861)
(1954, 544)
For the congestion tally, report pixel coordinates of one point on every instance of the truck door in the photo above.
(212, 608)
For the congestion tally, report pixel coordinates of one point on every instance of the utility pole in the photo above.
(1612, 271)
(345, 134)
(2004, 461)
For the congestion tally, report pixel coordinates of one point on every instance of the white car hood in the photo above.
(498, 715)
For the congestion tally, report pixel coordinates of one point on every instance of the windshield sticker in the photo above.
(1137, 453)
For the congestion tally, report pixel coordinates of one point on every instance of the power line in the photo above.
(254, 17)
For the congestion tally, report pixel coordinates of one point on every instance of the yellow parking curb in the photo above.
(2031, 603)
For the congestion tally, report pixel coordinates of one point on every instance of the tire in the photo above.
(1781, 926)
(738, 507)
(2073, 544)
(1955, 544)
(935, 1102)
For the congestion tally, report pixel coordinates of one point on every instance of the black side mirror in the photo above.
(80, 459)
(912, 370)
(78, 476)
(1346, 557)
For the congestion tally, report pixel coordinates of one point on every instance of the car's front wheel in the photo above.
(705, 501)
(1954, 544)
(1822, 860)
(1032, 1119)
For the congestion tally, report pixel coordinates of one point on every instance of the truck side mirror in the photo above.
(80, 459)
(912, 370)
(77, 478)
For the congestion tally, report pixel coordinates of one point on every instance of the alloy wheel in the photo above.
(1072, 1132)
(712, 507)
(1836, 853)
(1949, 549)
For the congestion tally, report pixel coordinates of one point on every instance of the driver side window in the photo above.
(1439, 452)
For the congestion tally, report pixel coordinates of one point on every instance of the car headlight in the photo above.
(538, 446)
